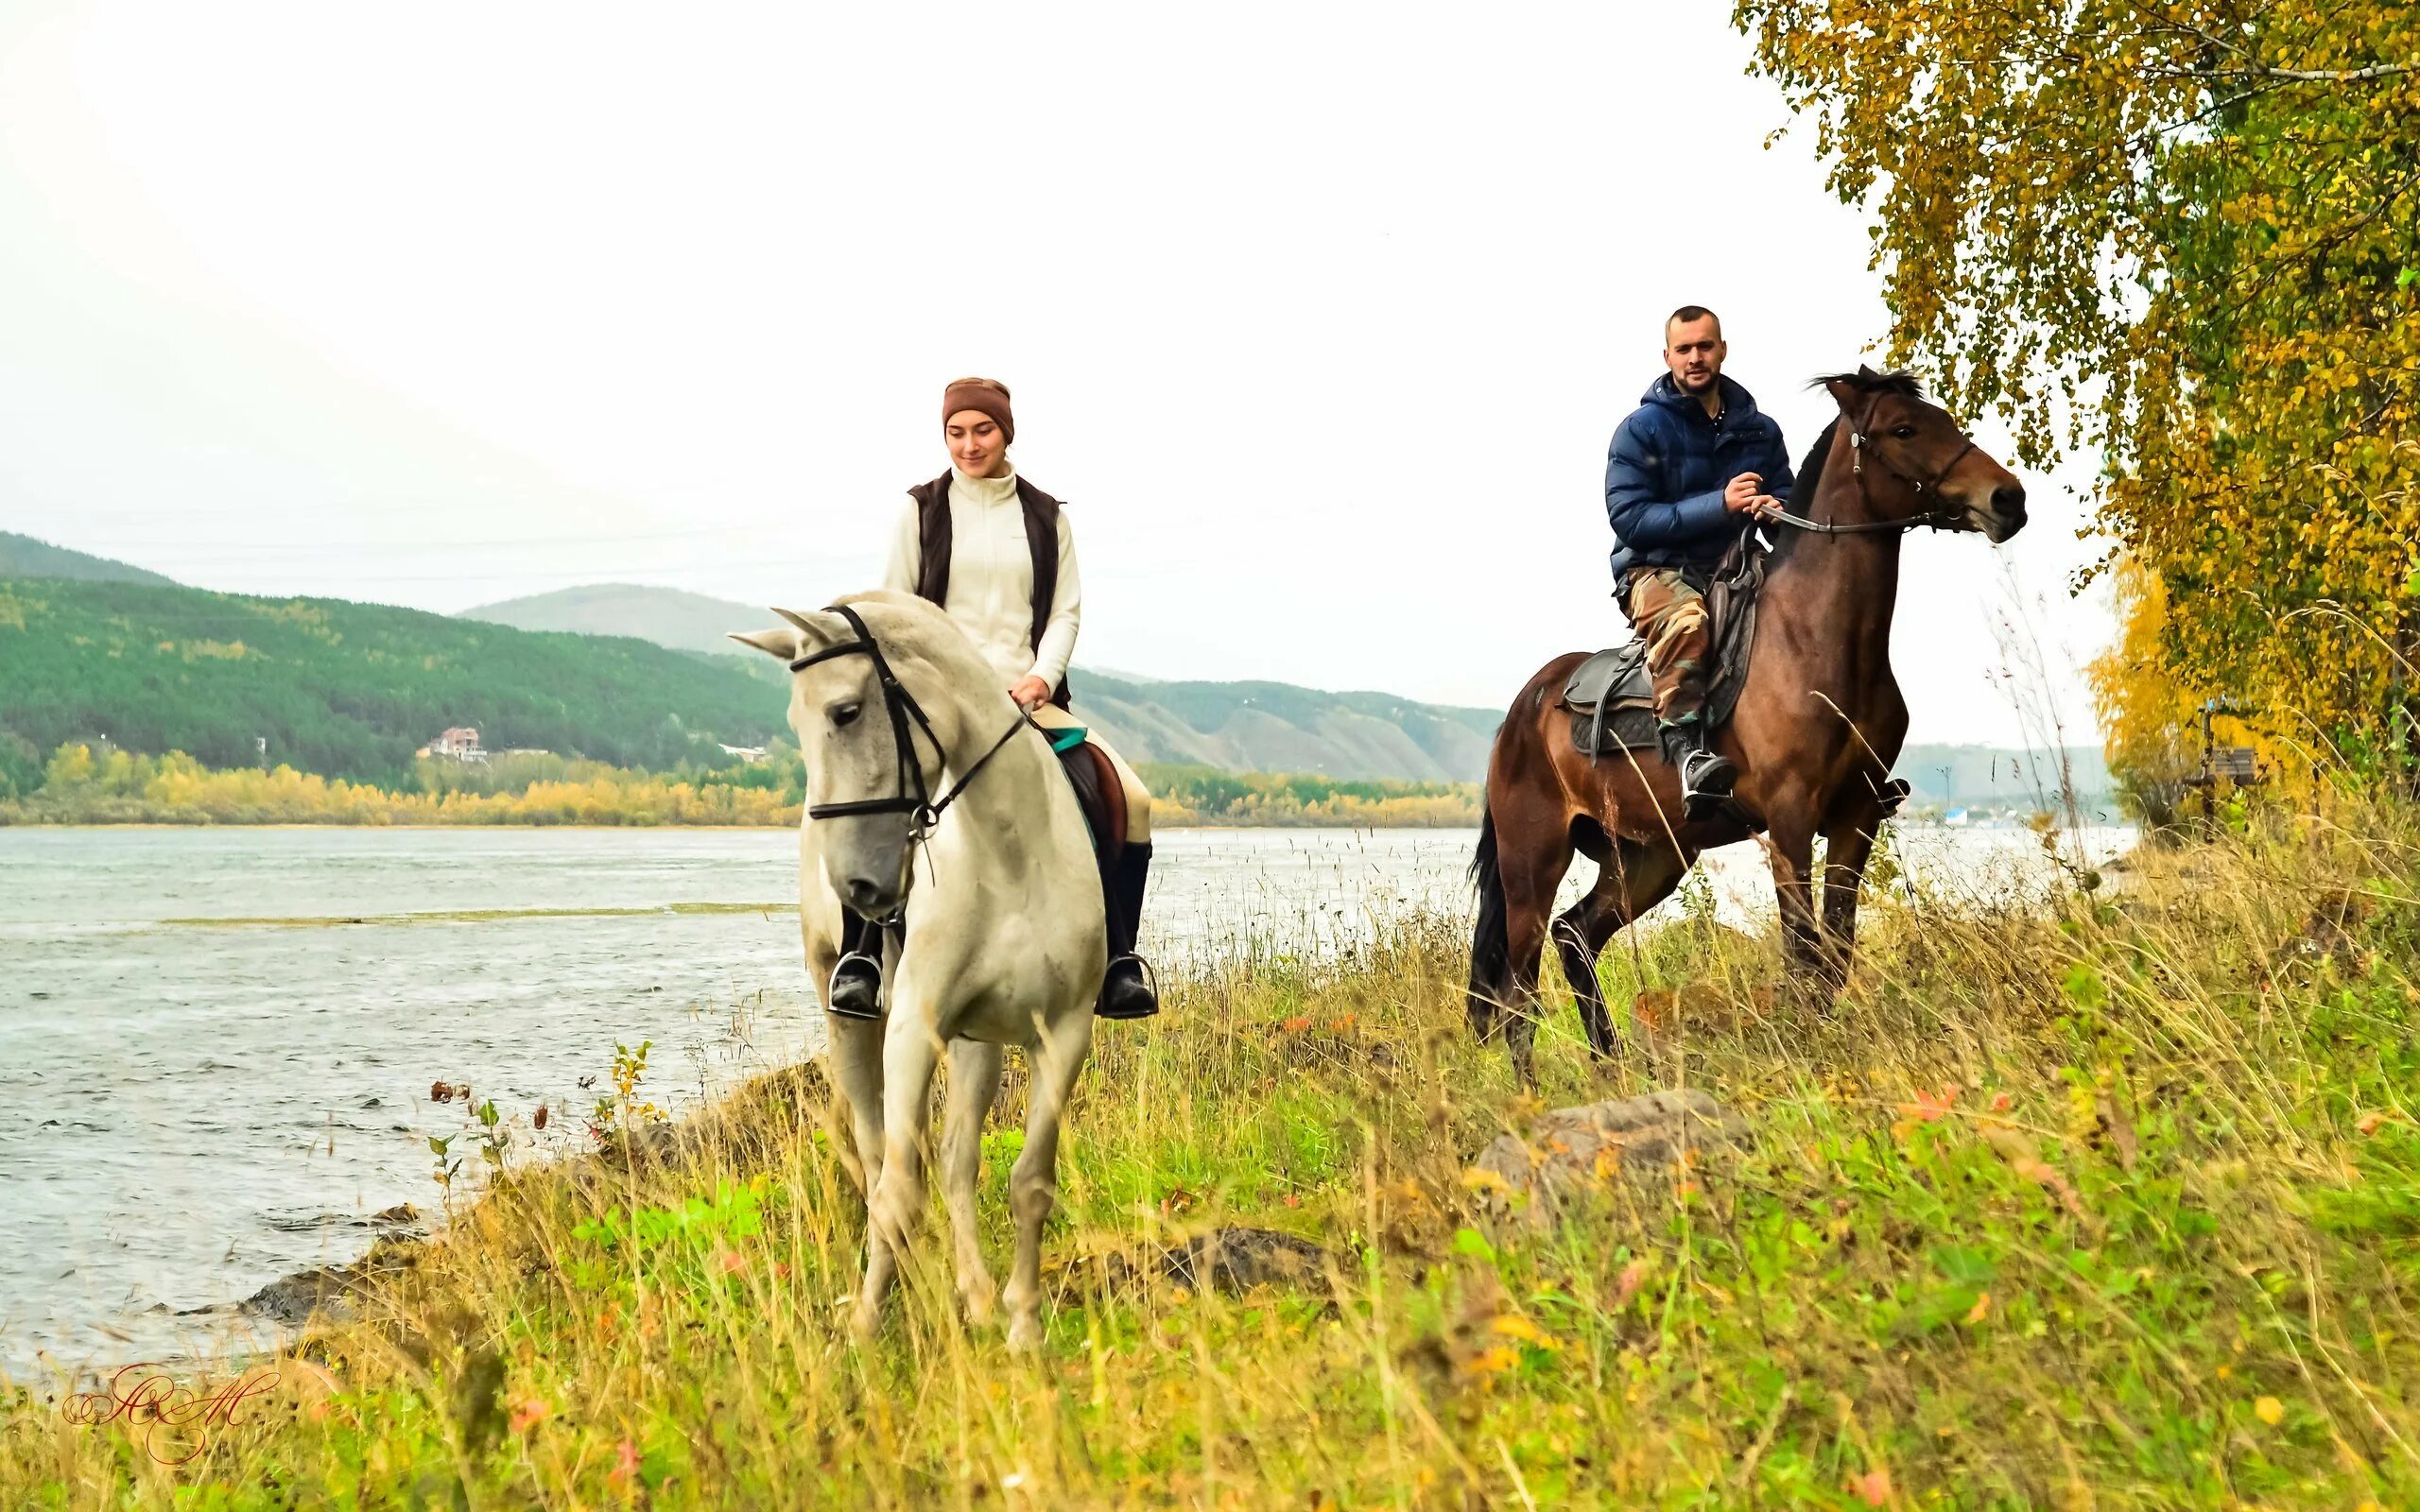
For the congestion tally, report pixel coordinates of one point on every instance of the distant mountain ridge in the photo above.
(1258, 727)
(25, 557)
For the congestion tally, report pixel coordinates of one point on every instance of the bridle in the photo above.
(1939, 517)
(907, 716)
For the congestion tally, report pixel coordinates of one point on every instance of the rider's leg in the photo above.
(1671, 615)
(1126, 992)
(1126, 989)
(855, 988)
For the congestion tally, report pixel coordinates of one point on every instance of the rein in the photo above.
(907, 716)
(1938, 517)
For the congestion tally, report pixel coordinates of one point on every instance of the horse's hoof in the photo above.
(865, 1322)
(979, 1303)
(1025, 1335)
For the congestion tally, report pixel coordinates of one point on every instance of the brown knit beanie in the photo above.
(983, 395)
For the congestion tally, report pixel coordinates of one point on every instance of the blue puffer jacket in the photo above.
(1666, 470)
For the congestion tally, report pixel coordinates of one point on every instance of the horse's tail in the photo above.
(1491, 945)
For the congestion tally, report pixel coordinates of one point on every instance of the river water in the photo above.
(220, 1043)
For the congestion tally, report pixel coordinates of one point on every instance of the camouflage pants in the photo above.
(1669, 613)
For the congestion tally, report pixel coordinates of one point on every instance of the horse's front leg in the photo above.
(910, 1049)
(856, 1070)
(973, 1082)
(1790, 846)
(1848, 844)
(1033, 1182)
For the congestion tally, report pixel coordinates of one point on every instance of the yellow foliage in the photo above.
(2184, 232)
(176, 789)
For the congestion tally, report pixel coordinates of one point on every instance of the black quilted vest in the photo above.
(1041, 539)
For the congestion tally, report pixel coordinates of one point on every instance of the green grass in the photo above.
(2111, 1204)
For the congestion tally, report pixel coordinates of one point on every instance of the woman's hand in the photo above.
(1030, 692)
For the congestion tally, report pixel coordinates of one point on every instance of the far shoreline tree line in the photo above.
(78, 784)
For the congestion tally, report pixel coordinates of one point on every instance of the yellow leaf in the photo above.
(1513, 1325)
(2269, 1410)
(1493, 1362)
(1983, 1305)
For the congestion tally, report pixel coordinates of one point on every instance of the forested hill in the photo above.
(25, 557)
(344, 689)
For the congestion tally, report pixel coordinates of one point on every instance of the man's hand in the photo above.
(1742, 493)
(1030, 692)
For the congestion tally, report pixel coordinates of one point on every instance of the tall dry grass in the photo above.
(2112, 1201)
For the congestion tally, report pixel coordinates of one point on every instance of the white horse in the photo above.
(932, 799)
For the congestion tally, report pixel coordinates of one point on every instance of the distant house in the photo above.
(459, 744)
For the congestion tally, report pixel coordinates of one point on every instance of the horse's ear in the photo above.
(1845, 390)
(811, 632)
(1865, 373)
(781, 644)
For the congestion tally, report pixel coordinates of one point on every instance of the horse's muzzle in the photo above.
(870, 897)
(2006, 516)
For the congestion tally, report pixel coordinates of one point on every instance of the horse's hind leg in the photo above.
(1530, 874)
(1631, 879)
(1033, 1181)
(973, 1081)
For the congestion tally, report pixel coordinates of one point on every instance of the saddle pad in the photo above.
(1616, 680)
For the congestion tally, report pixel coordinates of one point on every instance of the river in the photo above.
(221, 1043)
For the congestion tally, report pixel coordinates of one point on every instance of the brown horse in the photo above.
(1818, 724)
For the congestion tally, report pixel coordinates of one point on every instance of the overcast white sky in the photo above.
(1318, 316)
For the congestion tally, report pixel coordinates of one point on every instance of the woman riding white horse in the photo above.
(999, 556)
(932, 804)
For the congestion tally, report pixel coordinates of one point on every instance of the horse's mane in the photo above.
(1810, 472)
(1866, 381)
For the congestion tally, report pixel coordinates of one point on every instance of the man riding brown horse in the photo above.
(1815, 726)
(1686, 474)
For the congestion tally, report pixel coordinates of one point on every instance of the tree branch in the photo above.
(2336, 76)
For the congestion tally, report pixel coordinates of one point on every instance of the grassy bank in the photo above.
(2114, 1205)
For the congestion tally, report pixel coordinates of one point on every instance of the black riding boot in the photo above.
(855, 988)
(1126, 992)
(1707, 778)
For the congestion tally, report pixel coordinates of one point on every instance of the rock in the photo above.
(1237, 1260)
(402, 1213)
(1574, 1150)
(328, 1289)
(1231, 1260)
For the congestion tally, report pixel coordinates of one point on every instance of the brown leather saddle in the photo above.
(1612, 698)
(1101, 796)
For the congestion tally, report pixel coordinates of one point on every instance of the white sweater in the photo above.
(991, 578)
